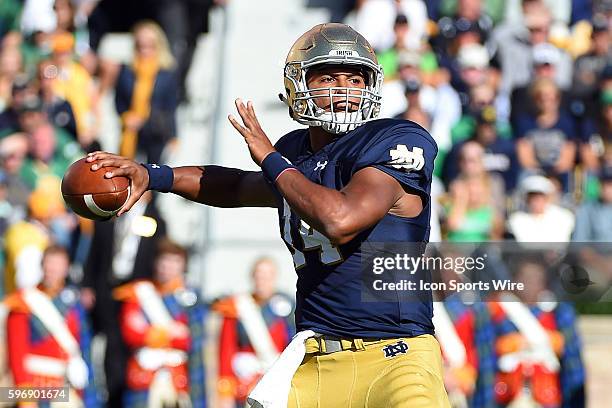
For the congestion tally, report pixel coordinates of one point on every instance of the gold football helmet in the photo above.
(332, 44)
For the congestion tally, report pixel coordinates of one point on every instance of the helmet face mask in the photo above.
(340, 46)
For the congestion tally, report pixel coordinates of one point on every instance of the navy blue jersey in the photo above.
(328, 298)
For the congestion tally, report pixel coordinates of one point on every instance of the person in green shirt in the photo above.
(390, 58)
(51, 152)
(481, 97)
(472, 212)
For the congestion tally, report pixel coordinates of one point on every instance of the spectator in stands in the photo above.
(516, 10)
(146, 95)
(499, 152)
(374, 20)
(436, 98)
(482, 99)
(473, 70)
(66, 22)
(246, 350)
(30, 114)
(515, 48)
(50, 151)
(547, 140)
(450, 40)
(13, 150)
(58, 110)
(476, 201)
(594, 219)
(589, 68)
(73, 83)
(541, 220)
(394, 100)
(389, 57)
(596, 141)
(9, 118)
(34, 47)
(415, 111)
(546, 58)
(13, 193)
(10, 67)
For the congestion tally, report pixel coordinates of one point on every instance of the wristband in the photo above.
(274, 165)
(161, 177)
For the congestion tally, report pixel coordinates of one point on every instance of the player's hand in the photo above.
(138, 175)
(255, 138)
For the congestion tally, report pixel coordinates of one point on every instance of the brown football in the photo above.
(91, 195)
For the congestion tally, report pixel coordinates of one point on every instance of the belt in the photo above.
(328, 345)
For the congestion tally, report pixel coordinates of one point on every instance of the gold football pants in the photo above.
(393, 373)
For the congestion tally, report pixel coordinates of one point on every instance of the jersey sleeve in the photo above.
(406, 153)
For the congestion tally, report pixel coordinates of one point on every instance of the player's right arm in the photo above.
(211, 185)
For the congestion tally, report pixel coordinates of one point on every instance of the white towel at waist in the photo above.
(272, 391)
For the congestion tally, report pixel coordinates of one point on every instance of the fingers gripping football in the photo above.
(137, 174)
(257, 141)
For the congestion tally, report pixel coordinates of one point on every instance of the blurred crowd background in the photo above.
(517, 94)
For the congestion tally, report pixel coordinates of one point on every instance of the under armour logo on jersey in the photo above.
(155, 166)
(402, 158)
(320, 165)
(393, 350)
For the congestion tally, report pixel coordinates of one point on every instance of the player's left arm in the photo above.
(339, 215)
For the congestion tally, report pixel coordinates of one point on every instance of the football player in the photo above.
(347, 180)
